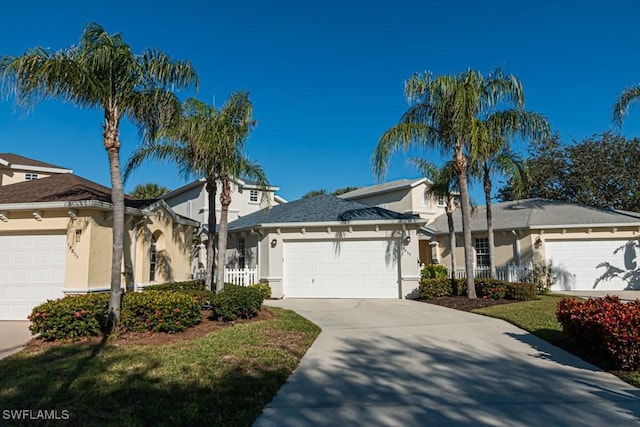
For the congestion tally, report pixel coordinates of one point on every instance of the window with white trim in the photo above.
(253, 196)
(481, 245)
(30, 176)
(441, 201)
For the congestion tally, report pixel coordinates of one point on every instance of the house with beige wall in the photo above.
(56, 239)
(15, 168)
(589, 248)
(329, 247)
(408, 196)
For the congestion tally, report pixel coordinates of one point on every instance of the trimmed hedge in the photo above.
(264, 289)
(606, 329)
(237, 302)
(187, 285)
(434, 271)
(489, 288)
(71, 317)
(159, 311)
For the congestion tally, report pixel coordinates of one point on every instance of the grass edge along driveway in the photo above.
(223, 378)
(539, 318)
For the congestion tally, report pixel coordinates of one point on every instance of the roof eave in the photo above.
(76, 204)
(416, 221)
(39, 168)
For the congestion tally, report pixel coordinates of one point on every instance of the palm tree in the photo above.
(629, 96)
(443, 184)
(103, 73)
(445, 113)
(205, 143)
(150, 190)
(492, 155)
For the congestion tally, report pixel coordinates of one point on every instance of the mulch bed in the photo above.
(467, 304)
(206, 326)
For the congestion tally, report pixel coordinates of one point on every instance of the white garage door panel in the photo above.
(31, 271)
(348, 269)
(592, 264)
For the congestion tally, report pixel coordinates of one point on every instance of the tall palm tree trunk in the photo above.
(225, 201)
(490, 237)
(112, 145)
(460, 168)
(452, 236)
(212, 189)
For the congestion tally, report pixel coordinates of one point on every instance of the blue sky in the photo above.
(326, 77)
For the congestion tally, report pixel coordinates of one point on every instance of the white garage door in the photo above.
(31, 271)
(593, 264)
(341, 269)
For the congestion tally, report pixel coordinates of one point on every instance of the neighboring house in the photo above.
(56, 239)
(192, 201)
(590, 248)
(408, 196)
(14, 169)
(328, 247)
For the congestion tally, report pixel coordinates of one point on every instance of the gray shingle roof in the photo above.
(323, 208)
(381, 188)
(537, 213)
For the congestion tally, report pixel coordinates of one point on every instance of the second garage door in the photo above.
(31, 271)
(341, 269)
(592, 264)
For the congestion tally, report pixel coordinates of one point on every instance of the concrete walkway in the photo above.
(406, 363)
(14, 334)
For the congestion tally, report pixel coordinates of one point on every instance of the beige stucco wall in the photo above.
(88, 256)
(13, 176)
(271, 264)
(506, 245)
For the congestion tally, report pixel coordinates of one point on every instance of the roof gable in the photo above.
(385, 187)
(322, 208)
(11, 160)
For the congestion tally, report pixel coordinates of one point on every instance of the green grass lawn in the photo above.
(539, 318)
(224, 378)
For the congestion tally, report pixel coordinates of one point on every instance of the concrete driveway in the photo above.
(406, 363)
(14, 334)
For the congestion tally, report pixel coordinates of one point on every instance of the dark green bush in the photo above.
(432, 288)
(161, 311)
(459, 287)
(520, 291)
(491, 288)
(71, 317)
(203, 297)
(434, 271)
(188, 285)
(236, 302)
(264, 289)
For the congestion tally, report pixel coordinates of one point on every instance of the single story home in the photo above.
(589, 248)
(56, 239)
(328, 247)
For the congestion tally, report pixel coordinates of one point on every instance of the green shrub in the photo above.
(203, 297)
(188, 285)
(432, 288)
(459, 287)
(71, 317)
(520, 291)
(264, 289)
(434, 271)
(491, 288)
(161, 311)
(543, 278)
(236, 302)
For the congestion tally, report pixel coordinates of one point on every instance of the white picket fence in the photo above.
(237, 276)
(507, 273)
